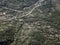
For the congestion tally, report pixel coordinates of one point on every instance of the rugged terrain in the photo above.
(29, 22)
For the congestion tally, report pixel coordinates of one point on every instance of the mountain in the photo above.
(29, 22)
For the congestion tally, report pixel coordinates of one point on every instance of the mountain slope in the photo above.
(29, 22)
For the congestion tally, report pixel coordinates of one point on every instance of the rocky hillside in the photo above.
(29, 22)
